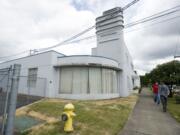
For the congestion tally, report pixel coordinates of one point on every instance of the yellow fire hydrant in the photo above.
(67, 116)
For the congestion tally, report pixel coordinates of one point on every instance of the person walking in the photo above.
(155, 88)
(164, 92)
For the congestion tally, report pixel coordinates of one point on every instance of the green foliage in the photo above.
(173, 108)
(167, 72)
(177, 98)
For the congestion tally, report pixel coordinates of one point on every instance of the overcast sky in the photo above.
(33, 24)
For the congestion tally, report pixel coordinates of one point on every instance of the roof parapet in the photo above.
(113, 10)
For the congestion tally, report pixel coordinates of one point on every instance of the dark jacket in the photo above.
(164, 90)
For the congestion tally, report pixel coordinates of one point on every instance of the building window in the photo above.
(87, 80)
(73, 80)
(32, 77)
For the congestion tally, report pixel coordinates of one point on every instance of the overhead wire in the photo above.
(48, 48)
(20, 53)
(130, 4)
(152, 24)
(85, 31)
(142, 27)
(176, 48)
(71, 39)
(164, 11)
(146, 19)
(150, 19)
(175, 51)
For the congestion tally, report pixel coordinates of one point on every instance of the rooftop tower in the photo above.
(110, 43)
(110, 40)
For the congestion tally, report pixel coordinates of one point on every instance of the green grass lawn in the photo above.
(105, 117)
(174, 108)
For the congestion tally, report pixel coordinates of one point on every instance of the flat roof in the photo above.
(88, 56)
(84, 65)
(32, 55)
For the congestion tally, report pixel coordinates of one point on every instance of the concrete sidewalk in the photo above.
(148, 119)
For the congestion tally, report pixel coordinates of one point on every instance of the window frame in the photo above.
(32, 77)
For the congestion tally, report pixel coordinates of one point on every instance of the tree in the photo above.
(168, 72)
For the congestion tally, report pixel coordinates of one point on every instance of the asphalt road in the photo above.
(148, 119)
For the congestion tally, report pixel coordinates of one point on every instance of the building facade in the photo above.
(107, 73)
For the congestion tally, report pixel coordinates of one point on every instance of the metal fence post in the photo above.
(7, 98)
(13, 99)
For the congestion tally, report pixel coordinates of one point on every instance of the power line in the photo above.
(79, 40)
(176, 49)
(163, 21)
(85, 31)
(86, 38)
(70, 40)
(150, 19)
(164, 11)
(48, 48)
(93, 36)
(152, 24)
(128, 25)
(130, 4)
(20, 53)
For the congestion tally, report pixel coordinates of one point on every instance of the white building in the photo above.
(136, 80)
(107, 73)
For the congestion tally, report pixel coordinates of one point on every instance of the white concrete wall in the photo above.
(86, 60)
(48, 65)
(83, 60)
(111, 44)
(44, 62)
(87, 96)
(137, 81)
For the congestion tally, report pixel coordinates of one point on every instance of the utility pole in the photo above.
(13, 100)
(177, 56)
(32, 52)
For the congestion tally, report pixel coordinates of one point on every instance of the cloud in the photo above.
(26, 24)
(35, 24)
(155, 47)
(156, 40)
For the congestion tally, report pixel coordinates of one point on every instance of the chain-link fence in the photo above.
(31, 86)
(4, 87)
(28, 92)
(6, 75)
(17, 91)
